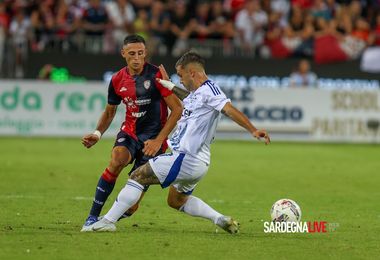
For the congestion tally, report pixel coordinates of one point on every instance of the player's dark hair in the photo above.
(190, 57)
(134, 38)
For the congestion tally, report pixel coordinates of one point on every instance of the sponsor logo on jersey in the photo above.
(147, 84)
(186, 113)
(142, 102)
(138, 114)
(123, 89)
(120, 140)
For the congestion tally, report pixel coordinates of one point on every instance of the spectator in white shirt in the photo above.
(122, 16)
(19, 30)
(250, 22)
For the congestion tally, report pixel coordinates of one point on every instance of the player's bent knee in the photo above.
(119, 161)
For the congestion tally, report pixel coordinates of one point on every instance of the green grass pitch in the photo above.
(47, 184)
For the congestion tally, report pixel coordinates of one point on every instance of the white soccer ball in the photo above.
(285, 210)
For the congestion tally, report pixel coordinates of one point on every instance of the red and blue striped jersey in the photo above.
(146, 110)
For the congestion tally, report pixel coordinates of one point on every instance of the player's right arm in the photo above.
(238, 117)
(104, 122)
(105, 119)
(165, 81)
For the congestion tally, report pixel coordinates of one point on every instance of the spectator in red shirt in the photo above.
(362, 31)
(303, 4)
(67, 24)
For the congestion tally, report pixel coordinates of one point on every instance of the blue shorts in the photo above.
(135, 147)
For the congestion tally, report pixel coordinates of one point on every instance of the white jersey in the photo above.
(196, 128)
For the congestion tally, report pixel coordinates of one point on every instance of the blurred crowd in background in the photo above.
(323, 30)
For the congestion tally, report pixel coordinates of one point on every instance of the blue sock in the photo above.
(103, 190)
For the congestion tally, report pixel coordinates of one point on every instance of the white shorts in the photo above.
(178, 169)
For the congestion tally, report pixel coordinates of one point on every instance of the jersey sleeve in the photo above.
(215, 97)
(163, 91)
(113, 98)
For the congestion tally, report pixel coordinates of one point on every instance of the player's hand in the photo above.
(163, 72)
(261, 134)
(166, 83)
(151, 147)
(89, 140)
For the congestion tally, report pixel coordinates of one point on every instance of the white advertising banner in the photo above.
(320, 115)
(39, 108)
(35, 108)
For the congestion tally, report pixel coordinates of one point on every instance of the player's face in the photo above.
(134, 54)
(185, 77)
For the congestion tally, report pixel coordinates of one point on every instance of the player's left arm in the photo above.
(242, 120)
(152, 146)
(180, 93)
(165, 81)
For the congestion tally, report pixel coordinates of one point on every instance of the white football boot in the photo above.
(102, 225)
(228, 224)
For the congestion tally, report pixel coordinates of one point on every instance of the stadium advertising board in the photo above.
(33, 108)
(318, 115)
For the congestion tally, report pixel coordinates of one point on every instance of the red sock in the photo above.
(109, 176)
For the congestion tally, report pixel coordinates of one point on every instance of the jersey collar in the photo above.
(206, 81)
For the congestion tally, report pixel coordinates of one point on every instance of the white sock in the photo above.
(127, 197)
(198, 208)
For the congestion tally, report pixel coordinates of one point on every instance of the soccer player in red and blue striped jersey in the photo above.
(144, 132)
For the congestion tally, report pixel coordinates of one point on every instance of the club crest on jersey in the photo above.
(147, 84)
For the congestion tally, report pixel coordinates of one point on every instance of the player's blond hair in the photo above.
(190, 57)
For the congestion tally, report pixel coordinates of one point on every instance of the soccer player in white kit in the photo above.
(189, 160)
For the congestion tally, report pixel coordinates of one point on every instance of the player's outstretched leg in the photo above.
(120, 158)
(132, 209)
(127, 197)
(198, 208)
